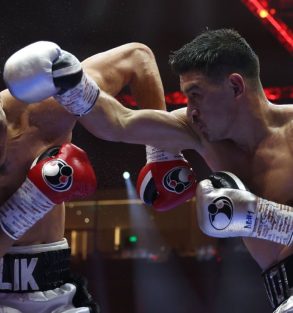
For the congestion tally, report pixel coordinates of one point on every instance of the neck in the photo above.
(253, 116)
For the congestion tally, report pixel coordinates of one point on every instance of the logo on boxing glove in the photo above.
(178, 179)
(57, 174)
(220, 213)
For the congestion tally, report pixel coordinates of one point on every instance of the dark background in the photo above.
(86, 27)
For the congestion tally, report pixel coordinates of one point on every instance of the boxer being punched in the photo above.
(34, 142)
(229, 121)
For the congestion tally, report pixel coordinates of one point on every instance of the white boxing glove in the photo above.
(42, 69)
(225, 208)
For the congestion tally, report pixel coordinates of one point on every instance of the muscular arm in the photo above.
(132, 65)
(109, 120)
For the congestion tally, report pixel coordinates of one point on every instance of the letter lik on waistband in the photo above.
(34, 272)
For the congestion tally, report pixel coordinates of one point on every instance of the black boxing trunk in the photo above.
(35, 268)
(278, 281)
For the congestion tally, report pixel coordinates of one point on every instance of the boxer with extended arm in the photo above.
(230, 122)
(50, 68)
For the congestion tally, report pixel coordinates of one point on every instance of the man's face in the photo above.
(210, 104)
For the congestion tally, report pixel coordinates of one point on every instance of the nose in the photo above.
(193, 114)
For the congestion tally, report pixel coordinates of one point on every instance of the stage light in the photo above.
(132, 239)
(263, 13)
(126, 175)
(130, 242)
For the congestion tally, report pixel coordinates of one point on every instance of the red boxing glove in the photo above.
(63, 174)
(166, 181)
(59, 174)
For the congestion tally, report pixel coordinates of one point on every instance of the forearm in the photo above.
(110, 120)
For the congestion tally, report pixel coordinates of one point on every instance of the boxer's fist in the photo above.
(29, 73)
(42, 69)
(166, 181)
(63, 174)
(60, 174)
(224, 207)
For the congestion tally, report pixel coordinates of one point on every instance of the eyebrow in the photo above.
(190, 88)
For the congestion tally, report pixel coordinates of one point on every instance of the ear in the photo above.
(237, 84)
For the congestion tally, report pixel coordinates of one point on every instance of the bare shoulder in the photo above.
(286, 117)
(283, 123)
(47, 121)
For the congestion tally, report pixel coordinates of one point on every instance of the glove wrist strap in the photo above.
(21, 211)
(80, 99)
(158, 155)
(273, 222)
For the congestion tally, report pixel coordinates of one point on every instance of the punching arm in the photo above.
(110, 120)
(42, 69)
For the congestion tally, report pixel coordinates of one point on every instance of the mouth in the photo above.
(199, 124)
(194, 117)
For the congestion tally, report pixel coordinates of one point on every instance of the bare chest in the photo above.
(21, 151)
(31, 130)
(267, 173)
(271, 173)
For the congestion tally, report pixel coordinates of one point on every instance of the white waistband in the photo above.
(58, 245)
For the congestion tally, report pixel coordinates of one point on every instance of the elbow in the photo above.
(141, 56)
(141, 51)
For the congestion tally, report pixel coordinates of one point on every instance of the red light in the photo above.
(263, 13)
(262, 10)
(178, 98)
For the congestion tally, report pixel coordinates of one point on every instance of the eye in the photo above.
(193, 98)
(193, 95)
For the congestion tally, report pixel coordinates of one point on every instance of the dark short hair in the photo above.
(216, 53)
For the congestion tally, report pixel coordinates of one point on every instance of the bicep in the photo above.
(132, 65)
(111, 69)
